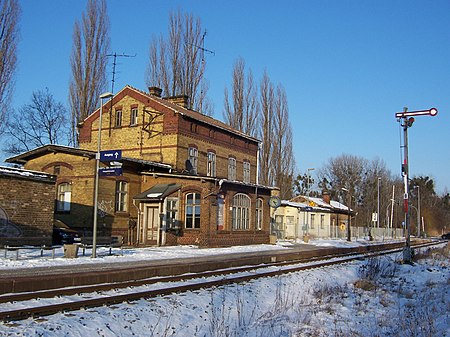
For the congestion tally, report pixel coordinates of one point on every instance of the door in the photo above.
(151, 226)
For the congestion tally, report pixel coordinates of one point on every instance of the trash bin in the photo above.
(71, 251)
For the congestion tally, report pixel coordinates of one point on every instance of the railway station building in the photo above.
(183, 177)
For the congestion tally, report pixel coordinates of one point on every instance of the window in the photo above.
(211, 169)
(192, 157)
(259, 214)
(134, 116)
(172, 212)
(64, 197)
(313, 221)
(192, 217)
(322, 221)
(118, 119)
(56, 169)
(246, 171)
(121, 196)
(231, 168)
(241, 212)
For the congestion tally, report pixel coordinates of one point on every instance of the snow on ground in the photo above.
(378, 297)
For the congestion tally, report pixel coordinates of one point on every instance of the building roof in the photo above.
(27, 174)
(52, 148)
(157, 192)
(317, 204)
(180, 110)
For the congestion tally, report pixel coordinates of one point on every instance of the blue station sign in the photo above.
(110, 171)
(110, 155)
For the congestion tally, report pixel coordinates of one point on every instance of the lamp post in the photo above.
(307, 185)
(406, 119)
(103, 96)
(349, 234)
(378, 204)
(418, 210)
(307, 196)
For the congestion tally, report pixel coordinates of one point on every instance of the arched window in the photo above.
(241, 212)
(259, 214)
(64, 197)
(192, 213)
(121, 196)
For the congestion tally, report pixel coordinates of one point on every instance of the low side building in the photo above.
(311, 216)
(26, 207)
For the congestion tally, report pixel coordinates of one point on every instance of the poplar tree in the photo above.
(88, 61)
(9, 39)
(177, 63)
(241, 109)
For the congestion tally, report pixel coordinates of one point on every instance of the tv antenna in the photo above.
(114, 56)
(203, 50)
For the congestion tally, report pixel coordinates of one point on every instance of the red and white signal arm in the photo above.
(404, 114)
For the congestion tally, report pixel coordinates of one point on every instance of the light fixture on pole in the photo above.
(307, 185)
(406, 119)
(103, 96)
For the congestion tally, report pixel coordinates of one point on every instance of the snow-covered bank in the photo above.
(379, 297)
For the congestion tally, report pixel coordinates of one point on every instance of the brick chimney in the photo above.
(155, 91)
(181, 100)
(326, 197)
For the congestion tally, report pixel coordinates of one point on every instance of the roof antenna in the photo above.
(114, 56)
(203, 49)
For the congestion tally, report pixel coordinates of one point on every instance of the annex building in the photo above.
(186, 178)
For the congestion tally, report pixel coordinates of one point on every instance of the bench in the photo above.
(16, 249)
(114, 241)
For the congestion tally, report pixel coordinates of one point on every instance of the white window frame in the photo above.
(118, 118)
(246, 171)
(231, 168)
(259, 213)
(241, 212)
(64, 197)
(313, 221)
(134, 116)
(192, 210)
(121, 196)
(172, 212)
(211, 164)
(193, 157)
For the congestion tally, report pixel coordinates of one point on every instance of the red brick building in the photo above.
(187, 178)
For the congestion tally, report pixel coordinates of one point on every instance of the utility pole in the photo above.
(406, 120)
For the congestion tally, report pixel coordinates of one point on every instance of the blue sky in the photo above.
(347, 66)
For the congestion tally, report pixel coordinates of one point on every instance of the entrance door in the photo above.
(151, 226)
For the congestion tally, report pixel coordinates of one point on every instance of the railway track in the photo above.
(95, 295)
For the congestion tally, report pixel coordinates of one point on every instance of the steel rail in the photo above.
(23, 313)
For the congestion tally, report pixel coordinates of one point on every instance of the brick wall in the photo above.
(26, 210)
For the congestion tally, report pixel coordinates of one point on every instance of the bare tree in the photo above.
(283, 161)
(267, 101)
(242, 111)
(88, 61)
(43, 121)
(9, 38)
(177, 64)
